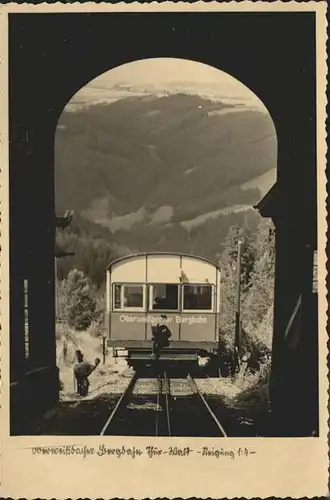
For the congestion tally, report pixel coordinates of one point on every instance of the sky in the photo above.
(165, 75)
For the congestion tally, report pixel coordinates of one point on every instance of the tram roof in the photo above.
(168, 254)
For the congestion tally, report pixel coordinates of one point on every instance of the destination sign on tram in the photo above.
(189, 320)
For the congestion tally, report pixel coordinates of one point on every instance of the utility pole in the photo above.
(238, 297)
(103, 348)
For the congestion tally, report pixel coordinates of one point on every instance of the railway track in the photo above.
(164, 413)
(120, 403)
(163, 402)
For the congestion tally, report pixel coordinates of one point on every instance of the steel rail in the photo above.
(119, 403)
(205, 403)
(167, 393)
(159, 392)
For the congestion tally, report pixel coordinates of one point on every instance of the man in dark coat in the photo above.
(82, 371)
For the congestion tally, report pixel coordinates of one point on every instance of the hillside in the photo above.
(160, 173)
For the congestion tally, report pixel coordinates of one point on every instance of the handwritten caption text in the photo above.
(148, 451)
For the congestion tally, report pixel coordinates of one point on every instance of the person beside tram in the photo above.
(82, 370)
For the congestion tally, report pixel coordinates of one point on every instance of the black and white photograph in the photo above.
(159, 163)
(166, 238)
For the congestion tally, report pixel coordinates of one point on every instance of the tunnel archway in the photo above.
(125, 120)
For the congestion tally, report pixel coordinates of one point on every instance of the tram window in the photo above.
(117, 297)
(126, 296)
(133, 296)
(197, 297)
(164, 297)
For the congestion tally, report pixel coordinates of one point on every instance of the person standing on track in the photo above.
(82, 370)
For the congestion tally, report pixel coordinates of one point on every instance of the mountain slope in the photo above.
(145, 167)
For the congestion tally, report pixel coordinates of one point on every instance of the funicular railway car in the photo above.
(163, 305)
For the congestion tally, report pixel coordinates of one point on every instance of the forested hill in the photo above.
(164, 173)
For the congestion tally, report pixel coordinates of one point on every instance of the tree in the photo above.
(62, 223)
(248, 255)
(77, 300)
(258, 304)
(228, 266)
